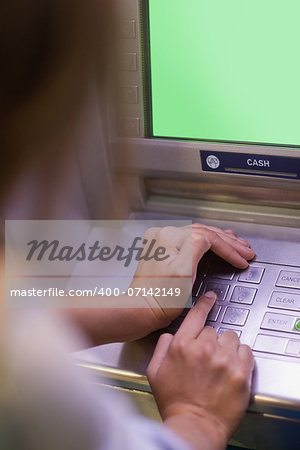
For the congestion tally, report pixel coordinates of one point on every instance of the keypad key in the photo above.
(203, 268)
(219, 289)
(221, 271)
(252, 275)
(281, 322)
(225, 275)
(285, 300)
(196, 288)
(293, 348)
(277, 345)
(235, 316)
(221, 331)
(214, 313)
(288, 279)
(270, 344)
(242, 294)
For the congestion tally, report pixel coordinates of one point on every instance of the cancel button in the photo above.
(289, 279)
(285, 300)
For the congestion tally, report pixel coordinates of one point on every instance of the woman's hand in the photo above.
(236, 251)
(146, 313)
(201, 381)
(185, 247)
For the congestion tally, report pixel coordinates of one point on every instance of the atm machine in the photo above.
(210, 115)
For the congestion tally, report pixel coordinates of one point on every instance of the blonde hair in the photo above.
(49, 49)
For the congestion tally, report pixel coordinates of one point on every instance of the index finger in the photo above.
(195, 320)
(159, 355)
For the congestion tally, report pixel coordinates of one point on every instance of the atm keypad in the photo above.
(261, 304)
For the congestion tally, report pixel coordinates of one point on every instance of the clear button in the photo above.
(285, 300)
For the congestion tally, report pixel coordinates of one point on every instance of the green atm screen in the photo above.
(226, 70)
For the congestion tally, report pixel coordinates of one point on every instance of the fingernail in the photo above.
(210, 294)
(245, 264)
(243, 241)
(250, 251)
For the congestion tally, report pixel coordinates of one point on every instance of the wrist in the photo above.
(198, 431)
(155, 315)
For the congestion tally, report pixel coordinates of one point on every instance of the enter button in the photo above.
(285, 300)
(281, 322)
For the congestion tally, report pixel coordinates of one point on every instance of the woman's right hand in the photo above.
(201, 381)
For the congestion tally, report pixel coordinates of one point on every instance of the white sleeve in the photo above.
(140, 433)
(49, 403)
(123, 429)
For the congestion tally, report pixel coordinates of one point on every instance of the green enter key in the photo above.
(297, 325)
